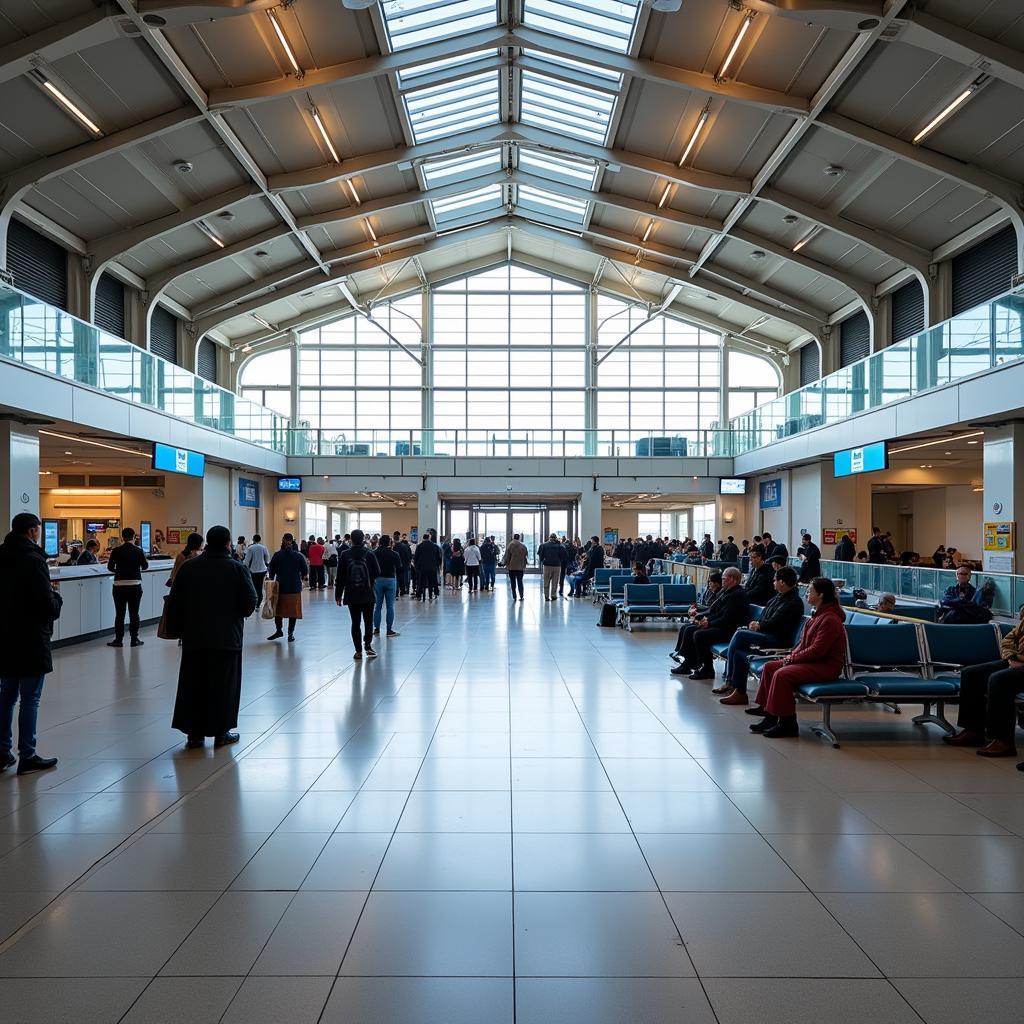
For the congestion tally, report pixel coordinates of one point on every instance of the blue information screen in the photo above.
(146, 537)
(869, 459)
(51, 537)
(291, 484)
(178, 460)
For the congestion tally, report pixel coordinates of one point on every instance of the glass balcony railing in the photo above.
(503, 444)
(39, 335)
(977, 340)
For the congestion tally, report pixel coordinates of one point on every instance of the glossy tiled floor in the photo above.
(511, 815)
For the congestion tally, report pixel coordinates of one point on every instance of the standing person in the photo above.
(404, 552)
(707, 547)
(595, 561)
(193, 545)
(876, 547)
(516, 557)
(256, 559)
(210, 598)
(29, 606)
(330, 562)
(289, 568)
(730, 552)
(571, 551)
(239, 552)
(845, 550)
(446, 554)
(457, 564)
(810, 559)
(316, 553)
(385, 586)
(488, 563)
(126, 562)
(427, 560)
(551, 556)
(474, 557)
(357, 574)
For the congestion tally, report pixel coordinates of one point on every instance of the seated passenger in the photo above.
(730, 611)
(705, 599)
(987, 695)
(775, 628)
(885, 603)
(957, 596)
(862, 556)
(760, 582)
(816, 659)
(640, 573)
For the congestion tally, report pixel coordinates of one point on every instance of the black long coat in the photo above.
(211, 597)
(29, 606)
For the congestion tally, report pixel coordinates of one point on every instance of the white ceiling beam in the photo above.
(841, 14)
(268, 282)
(187, 12)
(71, 36)
(963, 46)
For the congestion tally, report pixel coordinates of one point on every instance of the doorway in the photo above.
(533, 521)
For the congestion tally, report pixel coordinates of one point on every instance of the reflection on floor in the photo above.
(510, 815)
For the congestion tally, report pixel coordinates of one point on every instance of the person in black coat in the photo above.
(810, 559)
(404, 552)
(845, 549)
(729, 612)
(127, 562)
(775, 629)
(760, 582)
(29, 606)
(730, 552)
(773, 547)
(358, 568)
(427, 561)
(211, 597)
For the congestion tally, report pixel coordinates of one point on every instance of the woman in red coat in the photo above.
(818, 658)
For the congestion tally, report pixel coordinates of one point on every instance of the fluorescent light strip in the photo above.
(283, 40)
(74, 110)
(803, 241)
(369, 227)
(261, 321)
(731, 55)
(95, 444)
(941, 440)
(323, 134)
(664, 195)
(698, 128)
(355, 195)
(945, 113)
(647, 233)
(206, 230)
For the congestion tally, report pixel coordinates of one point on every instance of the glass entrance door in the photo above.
(528, 525)
(533, 521)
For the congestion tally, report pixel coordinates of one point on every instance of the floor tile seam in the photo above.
(957, 797)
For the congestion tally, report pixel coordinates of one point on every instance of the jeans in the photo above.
(29, 689)
(384, 589)
(361, 613)
(488, 572)
(126, 598)
(987, 695)
(737, 658)
(515, 579)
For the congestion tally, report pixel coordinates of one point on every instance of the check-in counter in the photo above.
(88, 609)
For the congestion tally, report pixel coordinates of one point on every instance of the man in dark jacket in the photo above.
(705, 599)
(126, 562)
(773, 547)
(211, 597)
(553, 560)
(357, 570)
(760, 582)
(488, 563)
(810, 559)
(29, 606)
(594, 561)
(775, 629)
(404, 553)
(730, 552)
(707, 547)
(427, 560)
(729, 612)
(876, 547)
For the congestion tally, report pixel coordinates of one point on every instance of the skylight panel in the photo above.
(414, 22)
(551, 204)
(566, 108)
(614, 78)
(558, 168)
(453, 107)
(461, 167)
(478, 200)
(411, 77)
(606, 23)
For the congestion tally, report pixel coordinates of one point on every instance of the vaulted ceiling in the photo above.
(764, 167)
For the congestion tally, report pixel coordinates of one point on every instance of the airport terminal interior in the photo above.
(625, 395)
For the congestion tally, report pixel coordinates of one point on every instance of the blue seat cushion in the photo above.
(908, 686)
(836, 688)
(719, 649)
(642, 609)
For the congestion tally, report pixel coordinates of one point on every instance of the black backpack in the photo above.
(357, 582)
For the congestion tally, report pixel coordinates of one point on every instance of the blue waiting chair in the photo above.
(639, 599)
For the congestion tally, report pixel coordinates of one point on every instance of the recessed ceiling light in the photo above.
(867, 24)
(790, 218)
(154, 20)
(183, 166)
(832, 171)
(758, 254)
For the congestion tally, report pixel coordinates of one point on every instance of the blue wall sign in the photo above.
(248, 493)
(868, 459)
(178, 460)
(771, 493)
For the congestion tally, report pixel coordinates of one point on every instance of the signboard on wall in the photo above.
(771, 493)
(869, 458)
(178, 460)
(173, 535)
(248, 493)
(611, 536)
(999, 537)
(836, 535)
(414, 534)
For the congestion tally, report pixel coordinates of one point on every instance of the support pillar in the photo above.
(428, 510)
(1004, 489)
(938, 293)
(426, 375)
(590, 513)
(19, 471)
(590, 378)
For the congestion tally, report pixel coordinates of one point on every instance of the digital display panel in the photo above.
(868, 459)
(289, 484)
(169, 459)
(732, 486)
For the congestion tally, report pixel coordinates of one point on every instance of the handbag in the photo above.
(163, 630)
(269, 607)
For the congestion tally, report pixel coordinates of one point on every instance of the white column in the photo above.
(590, 514)
(428, 511)
(19, 471)
(1004, 490)
(426, 373)
(293, 350)
(590, 375)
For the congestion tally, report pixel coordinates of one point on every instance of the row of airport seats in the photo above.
(661, 598)
(921, 612)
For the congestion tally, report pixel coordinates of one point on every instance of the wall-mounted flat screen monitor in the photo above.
(289, 484)
(51, 537)
(146, 537)
(728, 485)
(869, 459)
(96, 526)
(169, 459)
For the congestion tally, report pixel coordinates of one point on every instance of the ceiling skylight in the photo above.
(607, 23)
(414, 22)
(566, 108)
(558, 168)
(551, 205)
(453, 106)
(461, 167)
(488, 199)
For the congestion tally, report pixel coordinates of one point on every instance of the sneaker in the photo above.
(116, 643)
(291, 638)
(703, 674)
(7, 760)
(376, 632)
(392, 633)
(276, 636)
(358, 656)
(370, 652)
(997, 748)
(136, 642)
(35, 763)
(226, 739)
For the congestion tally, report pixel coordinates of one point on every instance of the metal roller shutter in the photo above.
(39, 266)
(109, 312)
(907, 306)
(206, 360)
(854, 339)
(810, 364)
(985, 271)
(163, 334)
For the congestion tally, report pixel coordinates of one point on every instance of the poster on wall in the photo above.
(999, 536)
(834, 536)
(173, 535)
(771, 493)
(611, 536)
(248, 493)
(414, 534)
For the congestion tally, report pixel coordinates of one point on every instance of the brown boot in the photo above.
(965, 738)
(725, 688)
(997, 748)
(736, 699)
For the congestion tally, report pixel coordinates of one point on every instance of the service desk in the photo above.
(88, 609)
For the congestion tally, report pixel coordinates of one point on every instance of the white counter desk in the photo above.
(88, 609)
